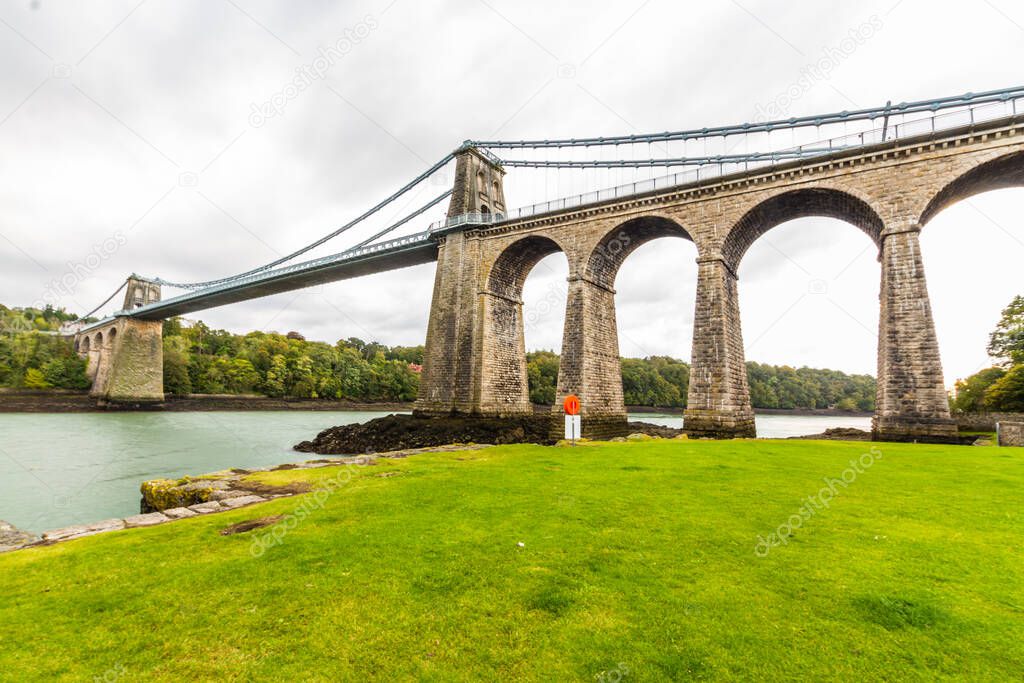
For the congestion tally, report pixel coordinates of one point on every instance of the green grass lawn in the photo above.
(637, 561)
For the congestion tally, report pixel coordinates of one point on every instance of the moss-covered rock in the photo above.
(163, 494)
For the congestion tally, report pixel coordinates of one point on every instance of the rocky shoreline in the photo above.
(409, 431)
(12, 537)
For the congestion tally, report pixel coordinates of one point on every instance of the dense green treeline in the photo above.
(663, 382)
(204, 361)
(31, 357)
(201, 360)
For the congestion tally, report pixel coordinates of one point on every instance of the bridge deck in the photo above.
(393, 255)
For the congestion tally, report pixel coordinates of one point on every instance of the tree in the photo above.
(1007, 393)
(1006, 343)
(66, 373)
(970, 392)
(176, 377)
(642, 385)
(542, 376)
(172, 327)
(303, 384)
(34, 379)
(241, 376)
(277, 377)
(675, 373)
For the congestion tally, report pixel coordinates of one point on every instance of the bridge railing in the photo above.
(419, 238)
(466, 219)
(948, 120)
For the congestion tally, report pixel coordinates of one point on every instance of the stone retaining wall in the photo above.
(984, 422)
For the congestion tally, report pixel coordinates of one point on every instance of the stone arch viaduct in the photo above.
(475, 353)
(476, 361)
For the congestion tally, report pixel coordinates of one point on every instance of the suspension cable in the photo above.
(795, 122)
(433, 202)
(416, 181)
(109, 298)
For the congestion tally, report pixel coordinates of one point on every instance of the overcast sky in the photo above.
(128, 143)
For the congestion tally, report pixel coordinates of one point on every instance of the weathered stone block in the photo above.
(241, 501)
(80, 530)
(1011, 433)
(180, 513)
(205, 508)
(148, 519)
(227, 495)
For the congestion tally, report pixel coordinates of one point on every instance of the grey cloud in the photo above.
(181, 77)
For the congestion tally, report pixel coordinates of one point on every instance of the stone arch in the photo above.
(607, 257)
(801, 203)
(513, 265)
(111, 338)
(719, 396)
(997, 174)
(94, 355)
(504, 388)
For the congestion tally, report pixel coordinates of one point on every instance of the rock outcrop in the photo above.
(12, 537)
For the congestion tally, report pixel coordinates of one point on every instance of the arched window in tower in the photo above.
(496, 198)
(484, 209)
(481, 183)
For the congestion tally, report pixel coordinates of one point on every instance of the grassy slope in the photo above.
(639, 554)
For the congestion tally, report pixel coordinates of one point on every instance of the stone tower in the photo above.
(450, 374)
(140, 292)
(479, 183)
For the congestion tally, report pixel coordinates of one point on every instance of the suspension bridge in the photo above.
(887, 170)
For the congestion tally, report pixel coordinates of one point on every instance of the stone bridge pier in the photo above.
(718, 401)
(125, 354)
(911, 403)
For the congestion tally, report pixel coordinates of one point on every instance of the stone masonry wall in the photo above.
(984, 422)
(128, 358)
(137, 364)
(447, 382)
(504, 386)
